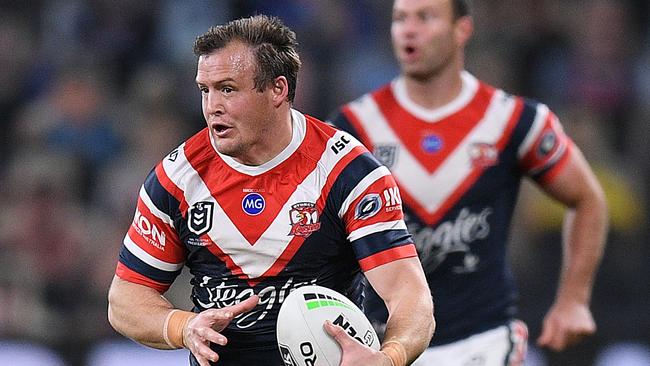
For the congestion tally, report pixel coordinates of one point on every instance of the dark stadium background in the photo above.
(93, 93)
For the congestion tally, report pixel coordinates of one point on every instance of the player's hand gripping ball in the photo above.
(301, 337)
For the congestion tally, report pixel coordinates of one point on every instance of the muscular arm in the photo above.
(138, 312)
(403, 287)
(585, 228)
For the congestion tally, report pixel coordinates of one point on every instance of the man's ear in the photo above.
(464, 30)
(280, 90)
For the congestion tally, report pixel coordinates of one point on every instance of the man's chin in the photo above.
(224, 148)
(418, 73)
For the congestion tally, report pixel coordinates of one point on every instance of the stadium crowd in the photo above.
(93, 93)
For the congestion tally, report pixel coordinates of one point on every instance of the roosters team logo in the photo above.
(483, 155)
(304, 219)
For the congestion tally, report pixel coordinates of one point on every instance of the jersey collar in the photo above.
(469, 88)
(299, 127)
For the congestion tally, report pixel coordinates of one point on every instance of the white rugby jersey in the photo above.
(319, 213)
(459, 169)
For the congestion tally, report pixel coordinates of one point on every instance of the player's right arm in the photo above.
(151, 257)
(138, 312)
(560, 169)
(144, 315)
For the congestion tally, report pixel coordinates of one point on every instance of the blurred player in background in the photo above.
(459, 149)
(264, 200)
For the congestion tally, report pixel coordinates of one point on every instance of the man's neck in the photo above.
(277, 139)
(435, 91)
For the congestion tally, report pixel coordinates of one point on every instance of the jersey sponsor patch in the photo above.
(150, 232)
(253, 204)
(431, 143)
(368, 206)
(199, 219)
(547, 144)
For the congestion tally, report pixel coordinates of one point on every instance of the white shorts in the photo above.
(502, 346)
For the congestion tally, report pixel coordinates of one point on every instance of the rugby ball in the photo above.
(302, 340)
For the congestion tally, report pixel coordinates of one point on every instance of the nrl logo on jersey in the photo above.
(386, 154)
(199, 217)
(304, 219)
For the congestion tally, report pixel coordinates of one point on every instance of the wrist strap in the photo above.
(173, 327)
(396, 352)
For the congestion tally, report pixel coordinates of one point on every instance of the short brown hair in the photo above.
(273, 43)
(461, 8)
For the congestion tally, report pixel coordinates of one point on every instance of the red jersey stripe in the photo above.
(172, 188)
(128, 274)
(454, 127)
(387, 256)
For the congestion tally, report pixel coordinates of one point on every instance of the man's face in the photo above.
(236, 113)
(423, 35)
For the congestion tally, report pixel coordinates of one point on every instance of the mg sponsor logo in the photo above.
(431, 143)
(253, 204)
(150, 232)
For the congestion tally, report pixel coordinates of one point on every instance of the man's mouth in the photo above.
(220, 129)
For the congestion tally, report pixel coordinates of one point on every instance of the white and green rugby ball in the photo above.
(301, 337)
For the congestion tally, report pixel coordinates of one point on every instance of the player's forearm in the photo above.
(584, 234)
(138, 312)
(411, 322)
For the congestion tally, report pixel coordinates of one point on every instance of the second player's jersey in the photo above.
(320, 212)
(459, 170)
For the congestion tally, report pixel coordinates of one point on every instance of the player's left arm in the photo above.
(584, 233)
(403, 287)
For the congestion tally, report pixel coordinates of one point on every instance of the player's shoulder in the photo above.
(374, 94)
(528, 102)
(187, 156)
(335, 140)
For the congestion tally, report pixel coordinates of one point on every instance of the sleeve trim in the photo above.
(127, 274)
(387, 256)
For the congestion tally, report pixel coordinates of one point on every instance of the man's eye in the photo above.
(227, 90)
(203, 90)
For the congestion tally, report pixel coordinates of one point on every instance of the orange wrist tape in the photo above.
(173, 328)
(396, 352)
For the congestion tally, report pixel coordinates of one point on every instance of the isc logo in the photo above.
(340, 144)
(253, 204)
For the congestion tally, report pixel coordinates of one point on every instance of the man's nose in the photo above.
(409, 27)
(214, 104)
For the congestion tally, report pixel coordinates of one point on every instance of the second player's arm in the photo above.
(585, 228)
